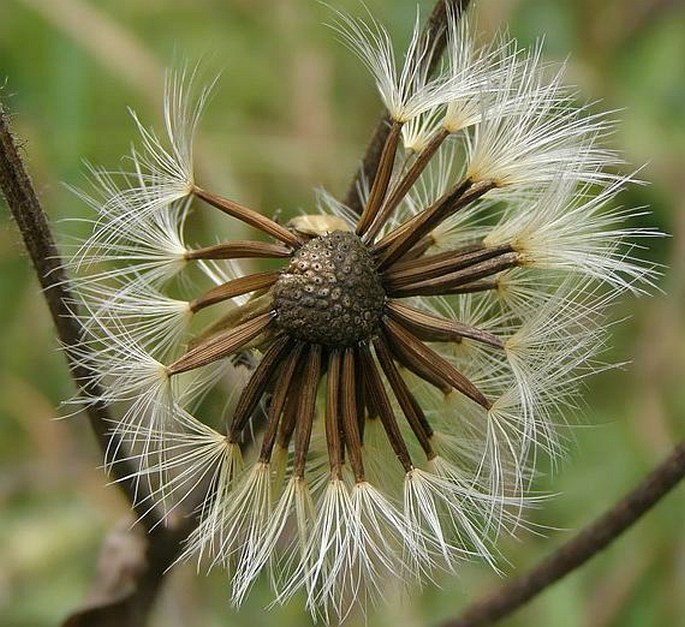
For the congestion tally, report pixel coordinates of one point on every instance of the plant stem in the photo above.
(163, 543)
(32, 222)
(435, 33)
(586, 544)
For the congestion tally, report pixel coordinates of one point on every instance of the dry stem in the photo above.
(590, 541)
(435, 32)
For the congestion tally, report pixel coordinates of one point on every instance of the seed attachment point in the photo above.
(330, 293)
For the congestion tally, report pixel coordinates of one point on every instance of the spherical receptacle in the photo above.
(330, 293)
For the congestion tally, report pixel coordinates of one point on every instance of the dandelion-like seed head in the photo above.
(403, 366)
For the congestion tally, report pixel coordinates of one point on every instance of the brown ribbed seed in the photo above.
(330, 293)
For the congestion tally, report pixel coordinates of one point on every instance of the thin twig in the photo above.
(435, 35)
(163, 543)
(32, 222)
(589, 542)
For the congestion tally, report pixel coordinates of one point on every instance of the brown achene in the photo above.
(335, 311)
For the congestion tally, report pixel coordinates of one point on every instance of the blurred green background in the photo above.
(293, 111)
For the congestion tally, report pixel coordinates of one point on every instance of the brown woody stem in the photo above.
(595, 537)
(435, 36)
(163, 543)
(32, 222)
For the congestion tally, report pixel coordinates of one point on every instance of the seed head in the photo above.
(397, 371)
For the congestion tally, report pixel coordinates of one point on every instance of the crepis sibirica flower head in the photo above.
(401, 367)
